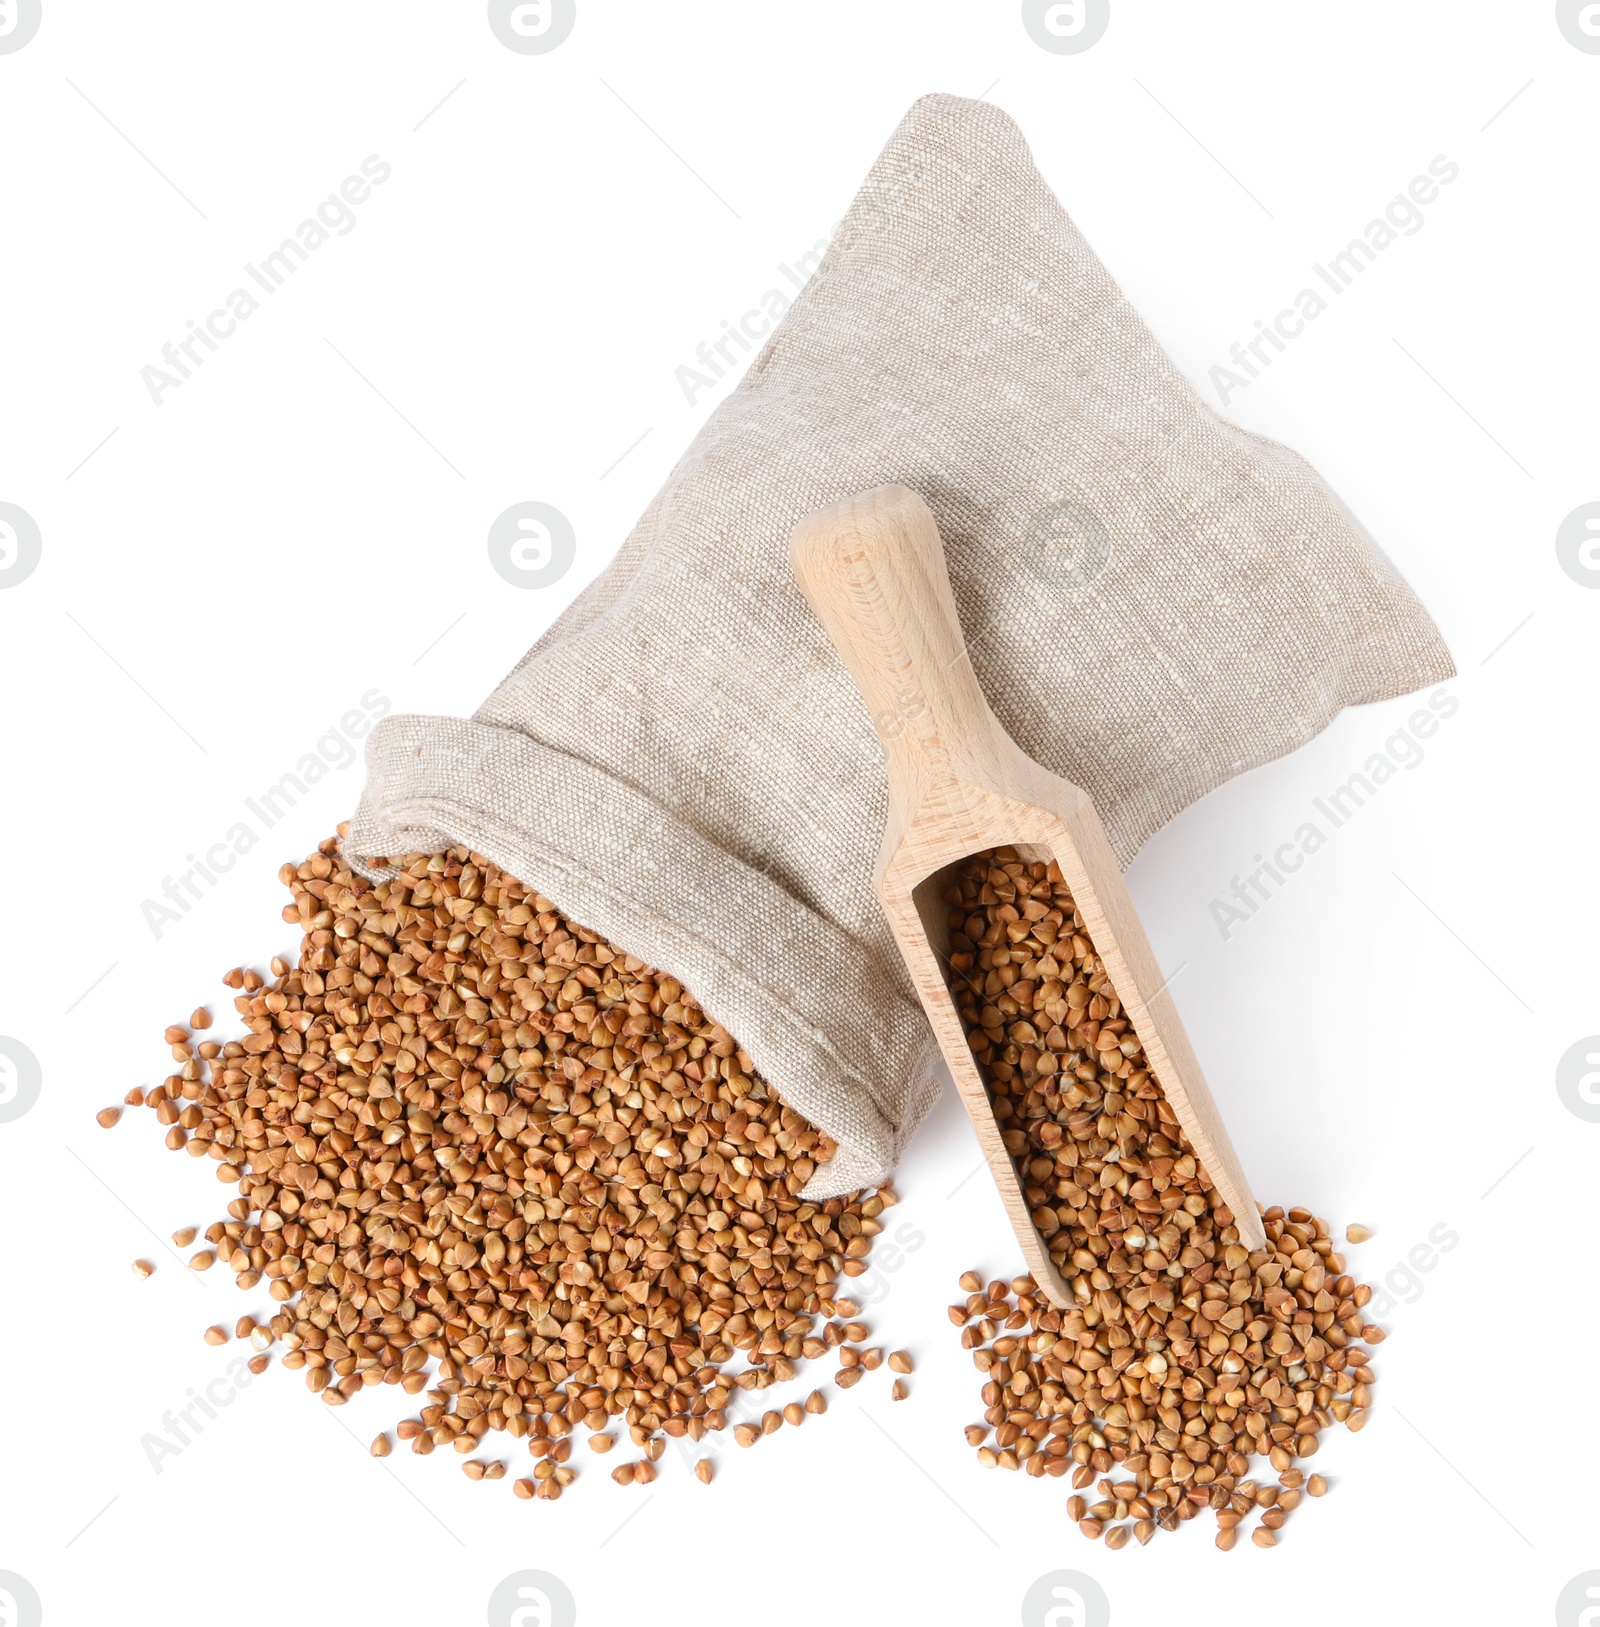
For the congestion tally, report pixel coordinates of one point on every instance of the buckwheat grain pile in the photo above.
(1186, 1354)
(469, 1135)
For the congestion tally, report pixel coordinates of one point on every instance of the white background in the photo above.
(304, 520)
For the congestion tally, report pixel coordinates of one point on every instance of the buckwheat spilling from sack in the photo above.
(466, 1131)
(1186, 1355)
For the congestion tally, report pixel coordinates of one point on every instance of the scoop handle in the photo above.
(873, 569)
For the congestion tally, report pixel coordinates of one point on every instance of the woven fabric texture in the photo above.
(1154, 601)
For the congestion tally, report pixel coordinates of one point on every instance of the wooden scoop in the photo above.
(873, 569)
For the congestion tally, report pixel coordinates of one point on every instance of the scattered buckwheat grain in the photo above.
(480, 1150)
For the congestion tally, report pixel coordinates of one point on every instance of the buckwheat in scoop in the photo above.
(1186, 1356)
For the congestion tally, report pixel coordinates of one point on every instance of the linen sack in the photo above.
(1154, 601)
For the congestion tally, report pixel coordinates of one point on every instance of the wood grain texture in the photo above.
(873, 569)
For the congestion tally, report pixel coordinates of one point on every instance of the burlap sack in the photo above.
(1154, 600)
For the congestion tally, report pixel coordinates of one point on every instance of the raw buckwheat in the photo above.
(470, 1136)
(1185, 1355)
